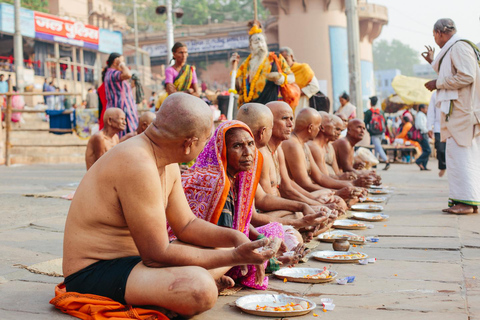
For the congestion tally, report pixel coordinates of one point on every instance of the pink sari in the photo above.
(206, 187)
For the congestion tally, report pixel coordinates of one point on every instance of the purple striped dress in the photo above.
(119, 95)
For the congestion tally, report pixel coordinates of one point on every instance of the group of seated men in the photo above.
(142, 234)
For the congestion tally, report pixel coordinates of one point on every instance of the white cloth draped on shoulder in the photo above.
(444, 96)
(463, 173)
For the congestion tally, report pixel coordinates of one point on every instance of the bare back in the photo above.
(270, 177)
(96, 228)
(97, 146)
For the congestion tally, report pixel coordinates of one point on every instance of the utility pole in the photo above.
(135, 24)
(354, 69)
(169, 31)
(18, 48)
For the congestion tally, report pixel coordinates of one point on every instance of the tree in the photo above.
(394, 55)
(196, 12)
(37, 5)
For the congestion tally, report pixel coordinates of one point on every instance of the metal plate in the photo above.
(249, 304)
(332, 235)
(373, 199)
(297, 275)
(378, 191)
(367, 207)
(349, 225)
(324, 256)
(367, 216)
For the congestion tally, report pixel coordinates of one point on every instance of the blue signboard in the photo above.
(7, 20)
(339, 61)
(110, 41)
(368, 82)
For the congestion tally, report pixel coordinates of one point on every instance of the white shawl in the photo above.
(444, 96)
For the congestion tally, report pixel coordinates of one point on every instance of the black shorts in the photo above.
(106, 278)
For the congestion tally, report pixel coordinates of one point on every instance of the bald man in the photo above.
(143, 122)
(107, 138)
(301, 165)
(274, 208)
(318, 147)
(345, 152)
(116, 245)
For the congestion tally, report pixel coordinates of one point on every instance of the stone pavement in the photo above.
(428, 263)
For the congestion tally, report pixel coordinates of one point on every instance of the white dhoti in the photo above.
(463, 165)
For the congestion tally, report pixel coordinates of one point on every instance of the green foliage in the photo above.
(37, 5)
(394, 55)
(196, 12)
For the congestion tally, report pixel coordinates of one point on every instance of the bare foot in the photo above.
(445, 210)
(463, 209)
(441, 173)
(224, 282)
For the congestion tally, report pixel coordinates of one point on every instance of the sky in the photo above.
(411, 21)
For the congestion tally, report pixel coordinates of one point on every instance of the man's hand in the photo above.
(275, 77)
(429, 54)
(430, 134)
(312, 220)
(247, 253)
(348, 176)
(364, 181)
(431, 85)
(359, 165)
(235, 58)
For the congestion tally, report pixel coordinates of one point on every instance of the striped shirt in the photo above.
(119, 95)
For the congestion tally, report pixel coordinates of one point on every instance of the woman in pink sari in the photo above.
(220, 187)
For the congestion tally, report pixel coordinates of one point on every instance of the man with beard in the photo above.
(258, 77)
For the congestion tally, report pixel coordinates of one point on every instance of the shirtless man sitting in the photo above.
(287, 212)
(301, 165)
(116, 242)
(143, 122)
(318, 147)
(344, 150)
(107, 138)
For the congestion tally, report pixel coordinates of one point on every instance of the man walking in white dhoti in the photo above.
(458, 97)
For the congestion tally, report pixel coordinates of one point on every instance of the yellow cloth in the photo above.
(244, 70)
(184, 78)
(160, 99)
(303, 74)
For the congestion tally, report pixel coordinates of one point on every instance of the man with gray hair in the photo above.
(458, 97)
(304, 77)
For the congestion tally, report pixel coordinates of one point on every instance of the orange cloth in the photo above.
(404, 135)
(93, 307)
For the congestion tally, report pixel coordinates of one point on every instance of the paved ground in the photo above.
(426, 265)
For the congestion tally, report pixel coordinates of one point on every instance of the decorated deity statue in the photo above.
(263, 76)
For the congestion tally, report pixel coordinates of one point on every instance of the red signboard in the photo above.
(65, 31)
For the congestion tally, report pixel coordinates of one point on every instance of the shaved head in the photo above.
(353, 123)
(279, 107)
(183, 116)
(356, 129)
(111, 113)
(256, 116)
(144, 121)
(326, 117)
(306, 117)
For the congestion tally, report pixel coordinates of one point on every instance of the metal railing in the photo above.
(8, 121)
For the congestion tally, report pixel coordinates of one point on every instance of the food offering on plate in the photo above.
(366, 207)
(349, 224)
(378, 191)
(372, 199)
(367, 216)
(339, 256)
(275, 305)
(303, 305)
(331, 236)
(306, 275)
